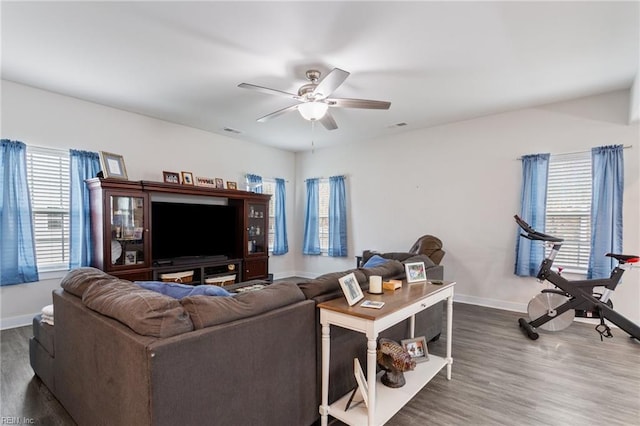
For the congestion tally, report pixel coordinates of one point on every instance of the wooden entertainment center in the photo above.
(121, 230)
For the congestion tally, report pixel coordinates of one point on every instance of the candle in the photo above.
(375, 284)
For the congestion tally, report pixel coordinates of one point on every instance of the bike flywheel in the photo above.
(546, 303)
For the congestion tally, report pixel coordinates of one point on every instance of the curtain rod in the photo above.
(575, 152)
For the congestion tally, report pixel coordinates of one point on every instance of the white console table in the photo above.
(401, 304)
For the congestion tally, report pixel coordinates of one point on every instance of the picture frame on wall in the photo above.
(351, 289)
(170, 177)
(187, 178)
(112, 165)
(416, 272)
(417, 348)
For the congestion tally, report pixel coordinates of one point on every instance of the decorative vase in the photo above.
(394, 360)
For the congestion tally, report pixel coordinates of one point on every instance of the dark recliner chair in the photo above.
(429, 246)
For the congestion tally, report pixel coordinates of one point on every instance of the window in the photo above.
(48, 178)
(568, 213)
(269, 187)
(323, 219)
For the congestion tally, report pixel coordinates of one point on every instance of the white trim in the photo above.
(15, 322)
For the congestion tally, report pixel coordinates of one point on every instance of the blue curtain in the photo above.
(255, 183)
(535, 171)
(337, 217)
(280, 243)
(311, 243)
(84, 165)
(17, 245)
(606, 209)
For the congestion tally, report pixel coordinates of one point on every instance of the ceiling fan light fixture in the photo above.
(313, 110)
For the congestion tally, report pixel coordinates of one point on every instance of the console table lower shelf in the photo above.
(389, 400)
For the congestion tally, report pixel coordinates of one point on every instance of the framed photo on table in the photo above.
(351, 289)
(112, 165)
(416, 272)
(362, 381)
(417, 348)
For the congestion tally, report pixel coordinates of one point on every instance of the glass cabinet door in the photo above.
(257, 232)
(127, 228)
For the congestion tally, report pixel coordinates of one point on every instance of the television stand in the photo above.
(203, 268)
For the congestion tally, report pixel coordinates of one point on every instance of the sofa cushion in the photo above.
(374, 261)
(209, 311)
(144, 311)
(329, 283)
(178, 291)
(387, 270)
(78, 280)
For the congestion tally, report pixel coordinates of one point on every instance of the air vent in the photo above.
(398, 125)
(230, 130)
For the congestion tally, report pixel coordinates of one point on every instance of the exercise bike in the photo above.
(555, 309)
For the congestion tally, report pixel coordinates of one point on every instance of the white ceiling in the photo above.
(437, 62)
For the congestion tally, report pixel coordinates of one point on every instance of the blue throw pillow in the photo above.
(178, 291)
(374, 261)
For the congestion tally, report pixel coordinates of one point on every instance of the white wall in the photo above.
(461, 182)
(148, 146)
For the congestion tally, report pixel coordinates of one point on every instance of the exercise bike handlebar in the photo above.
(532, 234)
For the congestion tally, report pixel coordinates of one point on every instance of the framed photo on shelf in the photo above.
(130, 257)
(361, 379)
(112, 165)
(187, 178)
(204, 181)
(417, 348)
(351, 289)
(232, 185)
(171, 177)
(219, 183)
(416, 272)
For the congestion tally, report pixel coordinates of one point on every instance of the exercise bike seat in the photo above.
(624, 258)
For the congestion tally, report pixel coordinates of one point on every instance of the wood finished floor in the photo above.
(499, 378)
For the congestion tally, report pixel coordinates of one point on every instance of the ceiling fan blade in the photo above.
(358, 103)
(330, 83)
(328, 122)
(267, 90)
(277, 113)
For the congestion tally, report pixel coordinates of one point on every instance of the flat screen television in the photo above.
(180, 231)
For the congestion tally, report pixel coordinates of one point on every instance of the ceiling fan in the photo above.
(313, 98)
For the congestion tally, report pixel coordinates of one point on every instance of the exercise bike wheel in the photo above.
(545, 303)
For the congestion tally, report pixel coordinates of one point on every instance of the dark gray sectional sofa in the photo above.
(121, 354)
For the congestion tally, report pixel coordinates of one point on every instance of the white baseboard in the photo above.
(19, 321)
(490, 303)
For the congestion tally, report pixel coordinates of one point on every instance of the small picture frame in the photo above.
(417, 348)
(219, 183)
(187, 178)
(361, 379)
(130, 257)
(137, 233)
(112, 165)
(232, 185)
(171, 177)
(416, 272)
(205, 181)
(351, 289)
